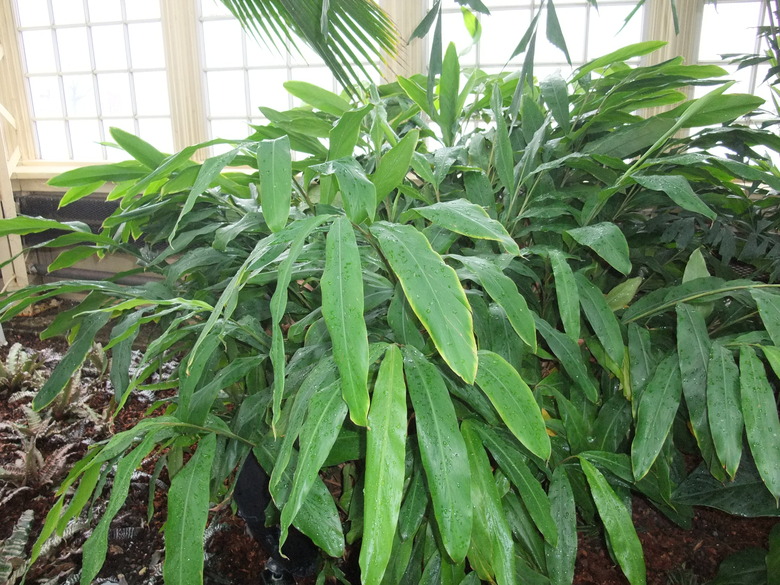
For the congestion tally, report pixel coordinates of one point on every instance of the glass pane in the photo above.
(605, 34)
(73, 45)
(146, 45)
(728, 28)
(39, 51)
(85, 138)
(79, 95)
(109, 46)
(226, 93)
(213, 8)
(142, 9)
(500, 35)
(45, 95)
(230, 129)
(114, 91)
(52, 140)
(157, 132)
(33, 13)
(68, 11)
(573, 21)
(266, 89)
(105, 11)
(222, 44)
(151, 93)
(258, 54)
(454, 31)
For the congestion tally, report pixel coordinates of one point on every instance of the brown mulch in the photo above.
(673, 555)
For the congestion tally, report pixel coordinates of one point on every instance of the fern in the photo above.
(12, 559)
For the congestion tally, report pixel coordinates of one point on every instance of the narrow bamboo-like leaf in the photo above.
(503, 291)
(488, 508)
(723, 407)
(602, 319)
(561, 557)
(139, 149)
(69, 257)
(342, 308)
(96, 545)
(566, 294)
(188, 510)
(279, 306)
(448, 94)
(511, 462)
(618, 524)
(769, 309)
(323, 423)
(679, 190)
(320, 98)
(607, 241)
(569, 354)
(657, 408)
(761, 420)
(434, 293)
(114, 173)
(72, 360)
(554, 33)
(693, 348)
(384, 479)
(344, 136)
(79, 192)
(641, 361)
(23, 225)
(274, 167)
(622, 54)
(514, 402)
(504, 155)
(394, 165)
(554, 92)
(469, 219)
(357, 193)
(443, 453)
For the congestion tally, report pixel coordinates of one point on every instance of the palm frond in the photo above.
(351, 36)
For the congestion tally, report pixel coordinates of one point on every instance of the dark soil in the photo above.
(673, 555)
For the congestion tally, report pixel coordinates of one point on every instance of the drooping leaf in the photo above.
(434, 293)
(384, 476)
(657, 408)
(569, 354)
(342, 309)
(723, 407)
(443, 452)
(769, 309)
(601, 318)
(759, 409)
(618, 524)
(554, 92)
(274, 165)
(679, 190)
(607, 241)
(514, 401)
(566, 294)
(188, 510)
(319, 97)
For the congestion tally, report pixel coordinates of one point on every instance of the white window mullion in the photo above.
(185, 80)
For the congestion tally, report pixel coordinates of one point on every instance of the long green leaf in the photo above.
(394, 165)
(274, 166)
(761, 420)
(617, 522)
(443, 453)
(607, 241)
(139, 149)
(320, 98)
(503, 152)
(72, 360)
(570, 355)
(657, 408)
(503, 291)
(601, 318)
(561, 557)
(693, 348)
(342, 308)
(384, 479)
(566, 294)
(769, 309)
(468, 219)
(357, 193)
(448, 95)
(679, 190)
(318, 434)
(723, 407)
(514, 402)
(554, 92)
(434, 293)
(488, 509)
(188, 510)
